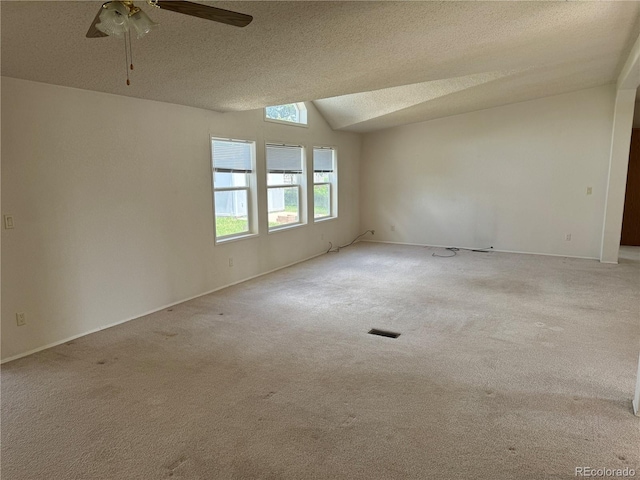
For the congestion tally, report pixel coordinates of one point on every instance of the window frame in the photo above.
(301, 187)
(250, 189)
(300, 105)
(333, 184)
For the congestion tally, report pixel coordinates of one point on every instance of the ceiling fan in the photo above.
(117, 17)
(120, 18)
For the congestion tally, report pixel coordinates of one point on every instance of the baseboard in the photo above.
(636, 408)
(120, 322)
(492, 250)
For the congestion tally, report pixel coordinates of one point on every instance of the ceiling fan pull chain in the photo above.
(126, 59)
(130, 51)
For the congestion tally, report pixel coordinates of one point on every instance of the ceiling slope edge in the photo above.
(347, 110)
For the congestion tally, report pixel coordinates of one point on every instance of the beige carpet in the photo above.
(508, 367)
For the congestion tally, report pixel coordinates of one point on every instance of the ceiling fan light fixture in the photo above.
(114, 19)
(141, 23)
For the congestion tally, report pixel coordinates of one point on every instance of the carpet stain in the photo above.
(620, 457)
(489, 393)
(268, 395)
(512, 449)
(101, 362)
(174, 465)
(166, 334)
(348, 421)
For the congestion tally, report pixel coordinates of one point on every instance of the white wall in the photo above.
(111, 198)
(627, 86)
(617, 174)
(512, 177)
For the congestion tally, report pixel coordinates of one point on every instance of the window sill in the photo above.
(323, 219)
(235, 238)
(286, 227)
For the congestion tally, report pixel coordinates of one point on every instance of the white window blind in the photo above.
(284, 159)
(323, 160)
(232, 156)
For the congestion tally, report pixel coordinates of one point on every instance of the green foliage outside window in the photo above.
(231, 225)
(288, 113)
(321, 201)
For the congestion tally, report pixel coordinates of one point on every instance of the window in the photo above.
(233, 186)
(295, 113)
(285, 185)
(325, 192)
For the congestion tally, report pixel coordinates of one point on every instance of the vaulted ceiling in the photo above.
(366, 65)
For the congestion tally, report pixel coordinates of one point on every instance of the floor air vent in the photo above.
(384, 333)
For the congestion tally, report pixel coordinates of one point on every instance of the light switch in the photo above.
(8, 222)
(589, 190)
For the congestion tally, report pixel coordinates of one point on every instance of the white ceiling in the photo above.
(367, 65)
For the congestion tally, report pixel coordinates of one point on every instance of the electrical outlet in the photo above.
(231, 261)
(21, 319)
(8, 222)
(589, 190)
(567, 237)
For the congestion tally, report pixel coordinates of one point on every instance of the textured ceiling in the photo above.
(367, 65)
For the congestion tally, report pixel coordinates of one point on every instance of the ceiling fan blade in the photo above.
(207, 12)
(93, 32)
